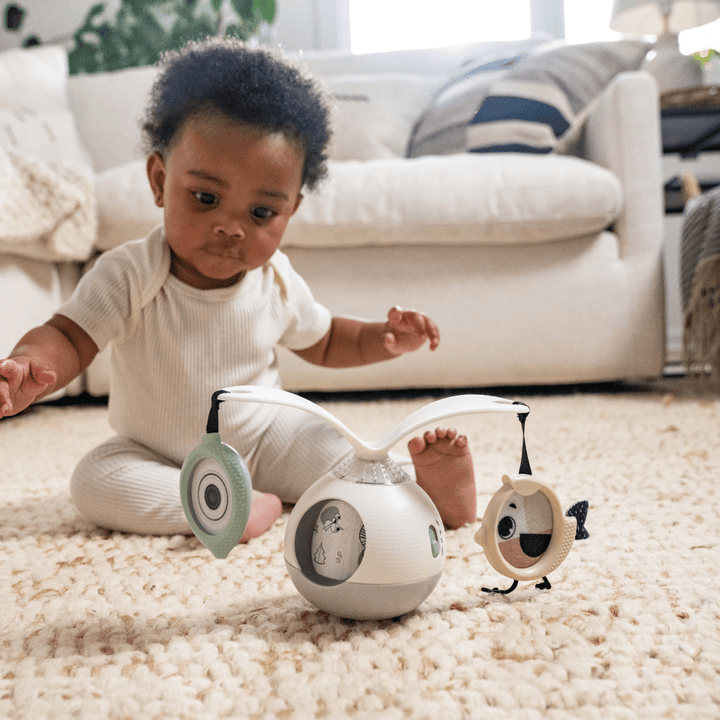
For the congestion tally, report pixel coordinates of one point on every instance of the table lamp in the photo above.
(665, 18)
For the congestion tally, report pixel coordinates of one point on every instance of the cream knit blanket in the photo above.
(46, 212)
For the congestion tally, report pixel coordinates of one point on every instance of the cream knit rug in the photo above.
(101, 625)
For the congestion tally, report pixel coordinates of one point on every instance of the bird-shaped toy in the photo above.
(525, 534)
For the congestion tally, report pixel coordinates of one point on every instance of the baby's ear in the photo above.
(156, 176)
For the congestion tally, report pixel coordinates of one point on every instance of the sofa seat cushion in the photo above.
(457, 200)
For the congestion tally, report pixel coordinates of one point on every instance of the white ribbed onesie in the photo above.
(173, 346)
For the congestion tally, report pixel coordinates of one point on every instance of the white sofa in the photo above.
(538, 268)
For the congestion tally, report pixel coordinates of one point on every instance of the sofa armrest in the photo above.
(623, 134)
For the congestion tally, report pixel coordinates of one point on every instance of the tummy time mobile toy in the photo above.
(364, 541)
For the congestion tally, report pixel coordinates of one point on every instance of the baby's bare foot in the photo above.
(444, 469)
(264, 511)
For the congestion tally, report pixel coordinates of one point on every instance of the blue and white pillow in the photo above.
(538, 102)
(534, 105)
(442, 126)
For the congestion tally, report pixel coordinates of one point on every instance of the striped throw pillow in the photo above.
(539, 102)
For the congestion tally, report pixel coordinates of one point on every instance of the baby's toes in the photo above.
(416, 446)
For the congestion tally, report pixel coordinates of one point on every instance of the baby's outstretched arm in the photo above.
(46, 359)
(351, 342)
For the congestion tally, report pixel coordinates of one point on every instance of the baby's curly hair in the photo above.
(259, 87)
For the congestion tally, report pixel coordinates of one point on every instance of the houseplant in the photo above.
(141, 30)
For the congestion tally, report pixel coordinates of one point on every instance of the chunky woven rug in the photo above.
(104, 625)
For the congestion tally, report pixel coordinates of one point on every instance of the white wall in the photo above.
(312, 24)
(324, 24)
(300, 24)
(547, 16)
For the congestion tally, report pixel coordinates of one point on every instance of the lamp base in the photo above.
(672, 69)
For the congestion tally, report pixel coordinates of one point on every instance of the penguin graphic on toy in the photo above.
(337, 546)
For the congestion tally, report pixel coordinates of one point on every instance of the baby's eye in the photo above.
(263, 213)
(205, 198)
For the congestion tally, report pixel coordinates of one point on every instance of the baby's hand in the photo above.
(407, 330)
(21, 381)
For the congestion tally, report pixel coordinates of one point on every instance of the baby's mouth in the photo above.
(227, 253)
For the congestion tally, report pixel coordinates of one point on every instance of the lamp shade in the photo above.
(647, 17)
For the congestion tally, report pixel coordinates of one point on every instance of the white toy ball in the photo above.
(365, 550)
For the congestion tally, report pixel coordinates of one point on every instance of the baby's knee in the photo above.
(123, 486)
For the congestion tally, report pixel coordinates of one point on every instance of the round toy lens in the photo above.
(212, 497)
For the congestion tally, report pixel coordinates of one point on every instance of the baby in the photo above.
(233, 136)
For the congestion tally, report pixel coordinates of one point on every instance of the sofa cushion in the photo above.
(374, 114)
(465, 199)
(125, 206)
(48, 135)
(534, 106)
(35, 118)
(457, 200)
(35, 78)
(109, 107)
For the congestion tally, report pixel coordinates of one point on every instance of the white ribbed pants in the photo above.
(122, 485)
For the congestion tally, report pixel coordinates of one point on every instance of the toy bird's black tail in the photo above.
(579, 511)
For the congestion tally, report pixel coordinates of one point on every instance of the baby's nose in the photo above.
(230, 227)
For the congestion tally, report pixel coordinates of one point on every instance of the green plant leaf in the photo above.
(266, 8)
(183, 31)
(83, 58)
(94, 11)
(141, 30)
(244, 8)
(704, 56)
(136, 6)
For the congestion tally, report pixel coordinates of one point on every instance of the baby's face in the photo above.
(228, 191)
